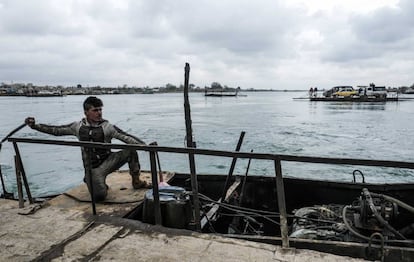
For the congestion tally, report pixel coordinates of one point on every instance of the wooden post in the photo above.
(190, 143)
(282, 204)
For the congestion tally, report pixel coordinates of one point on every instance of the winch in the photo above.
(356, 222)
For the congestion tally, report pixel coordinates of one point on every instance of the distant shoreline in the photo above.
(133, 93)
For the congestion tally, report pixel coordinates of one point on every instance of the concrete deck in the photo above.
(64, 229)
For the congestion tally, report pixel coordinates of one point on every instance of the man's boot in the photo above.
(138, 183)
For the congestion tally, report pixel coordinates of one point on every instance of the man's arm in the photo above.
(62, 130)
(125, 137)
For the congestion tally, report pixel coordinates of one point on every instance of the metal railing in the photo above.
(152, 150)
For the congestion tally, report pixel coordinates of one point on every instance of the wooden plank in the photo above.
(213, 211)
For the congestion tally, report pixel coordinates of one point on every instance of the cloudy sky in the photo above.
(286, 44)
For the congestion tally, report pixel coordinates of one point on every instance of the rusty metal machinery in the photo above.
(370, 214)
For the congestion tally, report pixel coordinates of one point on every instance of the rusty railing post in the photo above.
(22, 173)
(19, 182)
(155, 191)
(282, 204)
(90, 179)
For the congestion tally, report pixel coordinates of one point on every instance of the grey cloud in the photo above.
(375, 36)
(239, 43)
(239, 28)
(37, 18)
(386, 25)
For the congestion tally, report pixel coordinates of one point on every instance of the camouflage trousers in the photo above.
(113, 162)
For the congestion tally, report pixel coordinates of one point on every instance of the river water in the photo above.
(274, 122)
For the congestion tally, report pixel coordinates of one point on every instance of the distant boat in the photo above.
(45, 93)
(409, 91)
(221, 92)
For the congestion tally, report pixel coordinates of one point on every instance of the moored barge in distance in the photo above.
(222, 92)
(45, 93)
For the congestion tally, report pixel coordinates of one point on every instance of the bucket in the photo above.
(175, 207)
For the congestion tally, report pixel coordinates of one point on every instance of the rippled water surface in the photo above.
(273, 121)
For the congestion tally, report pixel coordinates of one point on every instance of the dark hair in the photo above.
(92, 101)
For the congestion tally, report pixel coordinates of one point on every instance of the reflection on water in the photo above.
(273, 122)
(355, 105)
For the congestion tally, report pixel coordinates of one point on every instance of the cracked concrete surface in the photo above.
(57, 234)
(64, 229)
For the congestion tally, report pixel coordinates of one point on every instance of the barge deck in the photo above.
(64, 229)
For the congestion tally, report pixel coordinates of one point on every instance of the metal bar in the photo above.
(194, 189)
(155, 191)
(244, 180)
(161, 178)
(191, 144)
(3, 186)
(23, 173)
(19, 183)
(12, 132)
(89, 170)
(282, 204)
(233, 165)
(215, 209)
(5, 195)
(208, 152)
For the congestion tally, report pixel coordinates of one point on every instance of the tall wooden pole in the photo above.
(190, 143)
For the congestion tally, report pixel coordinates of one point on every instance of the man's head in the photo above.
(92, 106)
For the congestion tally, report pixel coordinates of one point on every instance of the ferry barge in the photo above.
(369, 93)
(354, 99)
